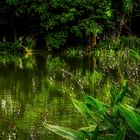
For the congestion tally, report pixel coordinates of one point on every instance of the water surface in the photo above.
(38, 88)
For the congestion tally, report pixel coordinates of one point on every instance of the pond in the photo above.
(38, 88)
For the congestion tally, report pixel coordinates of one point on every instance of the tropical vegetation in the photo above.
(116, 120)
(57, 24)
(58, 53)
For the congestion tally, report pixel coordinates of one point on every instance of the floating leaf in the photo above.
(66, 132)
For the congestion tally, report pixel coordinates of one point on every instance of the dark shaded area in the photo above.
(14, 24)
(135, 26)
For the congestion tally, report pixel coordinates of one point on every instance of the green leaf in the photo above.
(88, 129)
(134, 54)
(99, 106)
(109, 122)
(106, 137)
(100, 109)
(91, 131)
(122, 92)
(120, 134)
(132, 118)
(81, 107)
(127, 6)
(95, 133)
(115, 111)
(66, 132)
(113, 91)
(88, 114)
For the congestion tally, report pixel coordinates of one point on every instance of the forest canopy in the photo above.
(55, 23)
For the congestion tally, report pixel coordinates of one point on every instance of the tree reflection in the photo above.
(39, 88)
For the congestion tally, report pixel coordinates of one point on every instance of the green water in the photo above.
(38, 88)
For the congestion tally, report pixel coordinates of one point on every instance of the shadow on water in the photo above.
(38, 88)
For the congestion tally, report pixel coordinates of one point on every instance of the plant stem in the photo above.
(122, 23)
(94, 40)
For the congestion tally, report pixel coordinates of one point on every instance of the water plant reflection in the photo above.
(38, 88)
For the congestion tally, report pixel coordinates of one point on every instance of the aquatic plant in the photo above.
(7, 47)
(116, 121)
(71, 52)
(129, 42)
(20, 45)
(134, 54)
(29, 44)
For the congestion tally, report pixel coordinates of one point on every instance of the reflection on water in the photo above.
(38, 88)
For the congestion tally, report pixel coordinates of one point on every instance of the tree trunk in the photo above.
(94, 63)
(94, 42)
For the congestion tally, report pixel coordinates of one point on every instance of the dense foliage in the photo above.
(114, 122)
(59, 22)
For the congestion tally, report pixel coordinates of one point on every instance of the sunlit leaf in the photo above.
(66, 132)
(101, 107)
(88, 129)
(91, 131)
(87, 113)
(81, 107)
